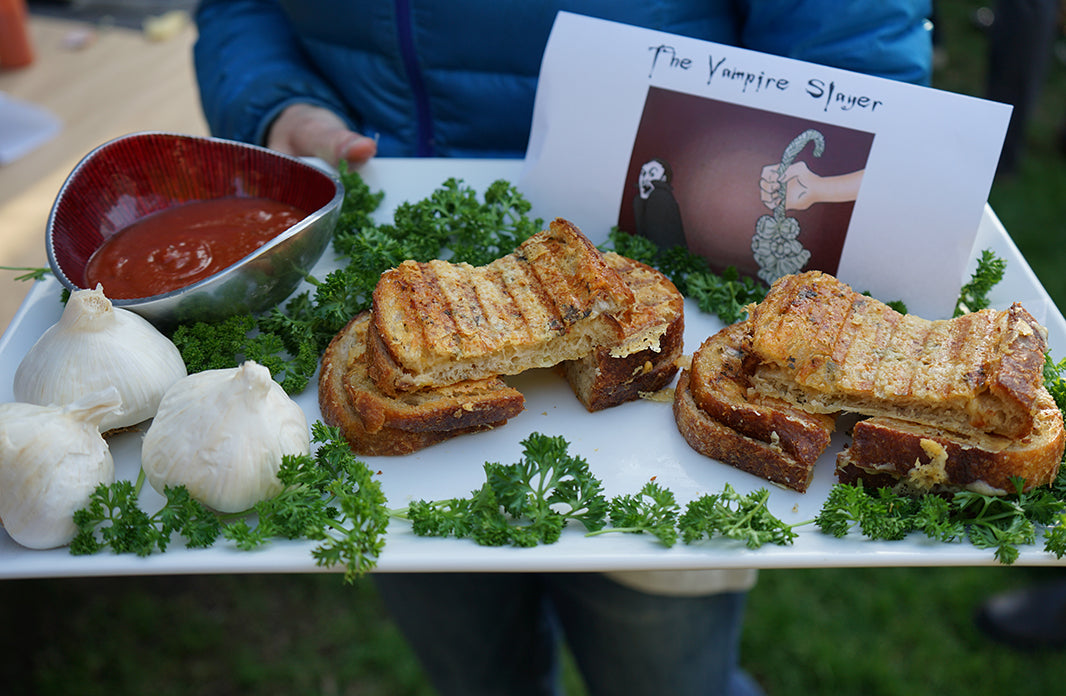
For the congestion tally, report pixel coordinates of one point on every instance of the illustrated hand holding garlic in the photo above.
(222, 434)
(51, 460)
(95, 345)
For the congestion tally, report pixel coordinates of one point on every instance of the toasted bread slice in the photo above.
(600, 380)
(712, 439)
(825, 347)
(721, 386)
(462, 405)
(920, 459)
(374, 423)
(554, 298)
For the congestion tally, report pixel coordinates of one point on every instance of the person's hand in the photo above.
(797, 182)
(803, 188)
(303, 130)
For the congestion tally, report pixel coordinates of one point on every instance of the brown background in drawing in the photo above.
(717, 151)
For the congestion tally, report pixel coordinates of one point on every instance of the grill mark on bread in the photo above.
(536, 304)
(432, 304)
(461, 306)
(413, 311)
(969, 353)
(499, 308)
(895, 374)
(562, 302)
(934, 363)
(959, 381)
(976, 344)
(874, 325)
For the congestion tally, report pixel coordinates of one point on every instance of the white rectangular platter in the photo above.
(625, 447)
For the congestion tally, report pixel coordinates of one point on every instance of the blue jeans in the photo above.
(486, 633)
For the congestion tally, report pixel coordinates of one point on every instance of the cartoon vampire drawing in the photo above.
(655, 211)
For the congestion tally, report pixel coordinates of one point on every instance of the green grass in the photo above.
(1031, 203)
(895, 631)
(886, 632)
(869, 632)
(203, 635)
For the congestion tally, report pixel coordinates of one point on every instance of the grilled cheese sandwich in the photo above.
(944, 405)
(554, 298)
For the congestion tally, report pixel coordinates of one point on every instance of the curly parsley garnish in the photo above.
(974, 294)
(734, 516)
(1000, 522)
(652, 510)
(330, 497)
(521, 504)
(529, 502)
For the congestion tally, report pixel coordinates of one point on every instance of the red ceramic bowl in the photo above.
(133, 176)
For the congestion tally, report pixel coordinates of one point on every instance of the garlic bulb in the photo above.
(95, 345)
(222, 434)
(51, 459)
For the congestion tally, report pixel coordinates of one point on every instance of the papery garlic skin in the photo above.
(51, 460)
(222, 434)
(95, 345)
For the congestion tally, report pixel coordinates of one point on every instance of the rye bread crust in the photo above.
(712, 439)
(375, 424)
(886, 451)
(721, 386)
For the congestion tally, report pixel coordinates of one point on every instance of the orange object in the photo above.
(178, 246)
(16, 50)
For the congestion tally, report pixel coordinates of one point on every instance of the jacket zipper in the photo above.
(423, 121)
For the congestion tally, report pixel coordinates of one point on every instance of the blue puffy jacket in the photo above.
(458, 77)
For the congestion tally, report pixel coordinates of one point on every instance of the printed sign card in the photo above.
(763, 163)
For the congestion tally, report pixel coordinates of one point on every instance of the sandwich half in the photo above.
(720, 416)
(603, 379)
(943, 406)
(887, 452)
(375, 423)
(554, 298)
(827, 348)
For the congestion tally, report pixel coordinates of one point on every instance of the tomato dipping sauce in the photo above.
(178, 246)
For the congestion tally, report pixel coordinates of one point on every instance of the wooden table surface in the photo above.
(121, 82)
